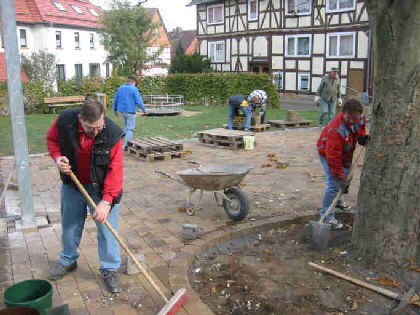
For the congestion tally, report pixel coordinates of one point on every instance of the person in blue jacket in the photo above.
(126, 99)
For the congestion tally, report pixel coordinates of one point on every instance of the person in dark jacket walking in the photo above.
(88, 143)
(336, 145)
(126, 100)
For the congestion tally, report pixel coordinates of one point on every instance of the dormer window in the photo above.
(77, 9)
(59, 6)
(93, 12)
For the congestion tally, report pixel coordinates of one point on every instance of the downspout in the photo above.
(369, 64)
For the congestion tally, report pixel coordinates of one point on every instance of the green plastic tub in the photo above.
(31, 293)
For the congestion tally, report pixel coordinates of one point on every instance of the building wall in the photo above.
(41, 37)
(262, 44)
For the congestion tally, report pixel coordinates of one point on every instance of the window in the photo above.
(304, 81)
(253, 10)
(215, 14)
(278, 79)
(298, 7)
(93, 12)
(92, 41)
(216, 51)
(59, 6)
(77, 9)
(78, 71)
(341, 45)
(61, 72)
(22, 38)
(58, 39)
(340, 5)
(94, 70)
(76, 40)
(107, 70)
(298, 45)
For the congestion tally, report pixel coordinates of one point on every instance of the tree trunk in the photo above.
(387, 220)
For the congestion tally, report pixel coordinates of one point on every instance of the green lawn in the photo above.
(172, 127)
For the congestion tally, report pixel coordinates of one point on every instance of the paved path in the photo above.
(151, 223)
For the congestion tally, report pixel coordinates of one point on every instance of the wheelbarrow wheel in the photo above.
(238, 206)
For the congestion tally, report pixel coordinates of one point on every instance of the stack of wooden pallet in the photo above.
(220, 137)
(156, 148)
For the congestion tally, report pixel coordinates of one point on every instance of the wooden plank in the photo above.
(68, 104)
(284, 123)
(52, 100)
(154, 156)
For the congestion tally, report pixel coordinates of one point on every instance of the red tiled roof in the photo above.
(3, 73)
(39, 11)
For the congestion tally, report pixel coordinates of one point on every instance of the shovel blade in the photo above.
(319, 235)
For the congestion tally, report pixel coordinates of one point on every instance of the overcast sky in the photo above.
(174, 12)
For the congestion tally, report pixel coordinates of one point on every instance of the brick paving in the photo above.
(151, 224)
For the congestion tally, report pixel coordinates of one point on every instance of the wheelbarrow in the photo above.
(222, 180)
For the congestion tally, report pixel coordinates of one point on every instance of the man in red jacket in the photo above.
(88, 143)
(335, 147)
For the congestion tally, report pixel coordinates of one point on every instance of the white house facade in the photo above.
(296, 41)
(68, 29)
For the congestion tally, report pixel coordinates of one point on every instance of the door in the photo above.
(356, 81)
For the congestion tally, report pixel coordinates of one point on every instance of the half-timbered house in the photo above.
(297, 41)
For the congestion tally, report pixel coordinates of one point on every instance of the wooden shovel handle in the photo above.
(119, 239)
(369, 286)
(340, 193)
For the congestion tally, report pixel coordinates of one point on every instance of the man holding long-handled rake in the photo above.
(335, 148)
(86, 142)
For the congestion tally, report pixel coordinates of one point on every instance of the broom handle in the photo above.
(369, 286)
(119, 239)
(340, 193)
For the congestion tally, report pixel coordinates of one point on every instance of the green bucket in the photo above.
(31, 293)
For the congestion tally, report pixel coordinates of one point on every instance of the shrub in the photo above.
(34, 94)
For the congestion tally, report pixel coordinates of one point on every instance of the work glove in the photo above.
(344, 185)
(316, 99)
(340, 101)
(363, 139)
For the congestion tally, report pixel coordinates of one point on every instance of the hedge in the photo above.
(202, 88)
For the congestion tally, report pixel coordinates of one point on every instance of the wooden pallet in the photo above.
(154, 156)
(260, 128)
(220, 137)
(285, 123)
(152, 145)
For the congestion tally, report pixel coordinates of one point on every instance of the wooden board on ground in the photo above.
(154, 144)
(220, 137)
(285, 123)
(260, 128)
(156, 148)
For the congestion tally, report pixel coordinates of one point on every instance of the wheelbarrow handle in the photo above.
(175, 178)
(194, 162)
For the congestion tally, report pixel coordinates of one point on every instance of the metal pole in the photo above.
(17, 114)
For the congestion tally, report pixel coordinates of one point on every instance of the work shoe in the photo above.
(335, 224)
(343, 206)
(112, 280)
(59, 270)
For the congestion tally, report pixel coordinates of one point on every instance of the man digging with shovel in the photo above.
(335, 148)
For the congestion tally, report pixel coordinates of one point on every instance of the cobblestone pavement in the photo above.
(151, 222)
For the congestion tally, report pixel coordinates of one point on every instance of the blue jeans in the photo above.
(331, 189)
(129, 120)
(247, 112)
(73, 215)
(326, 108)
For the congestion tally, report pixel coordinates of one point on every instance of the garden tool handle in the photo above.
(119, 239)
(388, 293)
(340, 193)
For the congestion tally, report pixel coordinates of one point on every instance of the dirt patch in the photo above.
(268, 274)
(187, 113)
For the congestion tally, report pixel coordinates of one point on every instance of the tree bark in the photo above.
(387, 221)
